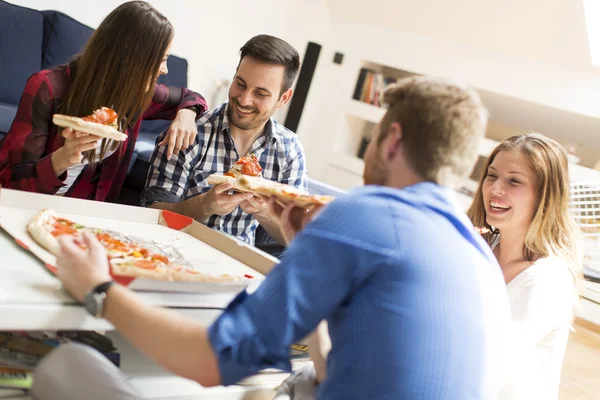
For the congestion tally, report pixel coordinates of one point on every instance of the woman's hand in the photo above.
(71, 153)
(181, 133)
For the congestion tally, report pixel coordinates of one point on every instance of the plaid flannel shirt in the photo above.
(278, 150)
(25, 152)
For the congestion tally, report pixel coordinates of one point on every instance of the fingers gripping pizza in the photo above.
(103, 122)
(126, 257)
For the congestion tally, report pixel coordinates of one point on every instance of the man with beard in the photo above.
(243, 125)
(415, 302)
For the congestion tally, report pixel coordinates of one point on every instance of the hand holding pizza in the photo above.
(71, 152)
(81, 270)
(255, 205)
(181, 133)
(218, 201)
(292, 218)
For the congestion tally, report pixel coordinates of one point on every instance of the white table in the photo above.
(31, 299)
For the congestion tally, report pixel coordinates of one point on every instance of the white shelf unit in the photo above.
(365, 111)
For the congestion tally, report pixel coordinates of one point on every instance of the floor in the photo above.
(581, 368)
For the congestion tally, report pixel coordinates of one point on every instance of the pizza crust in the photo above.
(167, 274)
(285, 193)
(93, 128)
(218, 179)
(38, 231)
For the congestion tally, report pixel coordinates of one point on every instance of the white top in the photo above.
(74, 171)
(541, 300)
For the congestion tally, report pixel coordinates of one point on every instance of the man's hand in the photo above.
(218, 201)
(81, 270)
(181, 133)
(292, 218)
(255, 205)
(71, 152)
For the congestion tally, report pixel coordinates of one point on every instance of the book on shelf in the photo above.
(24, 350)
(370, 86)
(15, 378)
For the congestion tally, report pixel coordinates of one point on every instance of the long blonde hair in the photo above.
(553, 231)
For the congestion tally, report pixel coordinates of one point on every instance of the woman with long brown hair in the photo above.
(118, 69)
(523, 199)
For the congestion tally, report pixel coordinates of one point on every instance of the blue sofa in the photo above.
(32, 40)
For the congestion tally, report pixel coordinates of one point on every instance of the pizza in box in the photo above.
(128, 256)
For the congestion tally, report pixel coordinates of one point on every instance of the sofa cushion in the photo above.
(7, 115)
(140, 162)
(21, 32)
(64, 37)
(177, 76)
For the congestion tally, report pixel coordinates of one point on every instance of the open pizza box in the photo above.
(209, 251)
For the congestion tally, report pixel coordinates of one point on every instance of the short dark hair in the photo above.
(272, 50)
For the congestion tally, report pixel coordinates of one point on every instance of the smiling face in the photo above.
(509, 191)
(255, 93)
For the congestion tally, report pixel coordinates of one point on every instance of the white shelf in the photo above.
(348, 163)
(365, 111)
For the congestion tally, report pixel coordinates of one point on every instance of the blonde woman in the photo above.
(523, 200)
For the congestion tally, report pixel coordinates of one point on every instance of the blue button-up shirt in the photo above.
(414, 299)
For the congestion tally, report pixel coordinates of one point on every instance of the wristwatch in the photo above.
(94, 301)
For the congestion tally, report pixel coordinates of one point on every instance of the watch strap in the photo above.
(103, 287)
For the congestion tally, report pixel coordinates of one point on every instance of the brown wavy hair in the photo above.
(119, 65)
(553, 231)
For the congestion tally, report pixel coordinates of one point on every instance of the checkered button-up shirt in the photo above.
(278, 150)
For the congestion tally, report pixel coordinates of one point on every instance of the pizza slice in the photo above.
(103, 122)
(245, 166)
(126, 257)
(46, 226)
(482, 230)
(285, 193)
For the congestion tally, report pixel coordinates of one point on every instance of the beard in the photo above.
(375, 172)
(253, 120)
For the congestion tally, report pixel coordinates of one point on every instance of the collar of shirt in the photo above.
(268, 130)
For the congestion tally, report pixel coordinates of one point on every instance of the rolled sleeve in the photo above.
(234, 339)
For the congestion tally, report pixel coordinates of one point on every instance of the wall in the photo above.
(525, 93)
(551, 31)
(209, 33)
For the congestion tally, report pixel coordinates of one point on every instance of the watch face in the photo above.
(91, 303)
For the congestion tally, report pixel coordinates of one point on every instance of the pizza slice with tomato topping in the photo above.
(102, 122)
(126, 256)
(245, 166)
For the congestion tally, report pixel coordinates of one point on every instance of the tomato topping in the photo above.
(104, 116)
(250, 165)
(160, 258)
(145, 264)
(61, 229)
